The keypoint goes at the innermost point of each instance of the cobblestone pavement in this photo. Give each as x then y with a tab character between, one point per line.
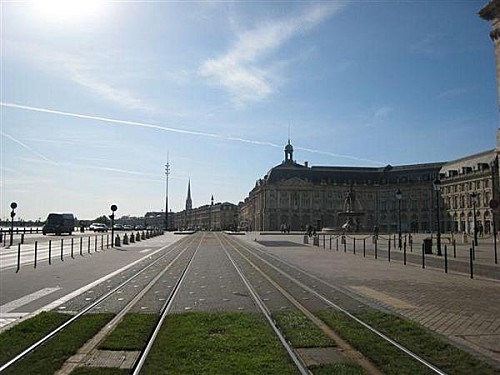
465	310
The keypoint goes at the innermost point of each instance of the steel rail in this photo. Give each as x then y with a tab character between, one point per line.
347	349
267	314
339	308
50	335
164	312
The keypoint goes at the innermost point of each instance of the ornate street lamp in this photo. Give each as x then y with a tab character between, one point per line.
399	197
473	197
437	188
112	217
13	205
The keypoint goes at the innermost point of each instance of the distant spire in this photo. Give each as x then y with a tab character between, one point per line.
189	202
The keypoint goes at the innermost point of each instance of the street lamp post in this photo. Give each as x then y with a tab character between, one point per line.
473	198
399	197
210	214
437	188
13	205
112	217
167	172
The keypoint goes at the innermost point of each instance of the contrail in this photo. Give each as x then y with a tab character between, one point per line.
174	130
27	147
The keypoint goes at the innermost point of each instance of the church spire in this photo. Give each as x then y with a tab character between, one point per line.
189	202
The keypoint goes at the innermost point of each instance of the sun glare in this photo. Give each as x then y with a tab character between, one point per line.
68	10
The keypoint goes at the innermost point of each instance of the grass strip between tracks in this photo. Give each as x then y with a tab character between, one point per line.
217	343
411	335
132	333
300	331
16	339
51	356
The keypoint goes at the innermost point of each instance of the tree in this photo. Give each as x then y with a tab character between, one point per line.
103	219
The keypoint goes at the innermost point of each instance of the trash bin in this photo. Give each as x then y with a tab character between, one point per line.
428	245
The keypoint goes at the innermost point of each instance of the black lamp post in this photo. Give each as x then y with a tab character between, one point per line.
437	188
473	197
112	217
399	197
210	213
167	172
13	205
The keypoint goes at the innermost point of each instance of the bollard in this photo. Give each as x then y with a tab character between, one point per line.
324	243
473	251
411	245
125	239
394	240
102	242
316	241
471	264
107	241
376	249
454	249
404	253
389	252
132	238
62	247
1	236
81	243
88	245
72	256
50	251
345	244
117	241
22	238
423	256
95	244
330	242
18	257
364	247
445	259
306	239
36	254
137	237
354	246
143	235
389	246
337	241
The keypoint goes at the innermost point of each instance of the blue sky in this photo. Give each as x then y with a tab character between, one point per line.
95	94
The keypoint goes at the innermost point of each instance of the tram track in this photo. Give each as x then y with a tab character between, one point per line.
179	247
273	267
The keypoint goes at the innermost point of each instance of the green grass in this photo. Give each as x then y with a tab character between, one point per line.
131	334
52	355
18	338
345	368
300	331
99	371
222	343
411	335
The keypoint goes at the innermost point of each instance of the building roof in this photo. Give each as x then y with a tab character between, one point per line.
469	163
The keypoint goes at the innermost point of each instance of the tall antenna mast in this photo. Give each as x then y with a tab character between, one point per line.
167	173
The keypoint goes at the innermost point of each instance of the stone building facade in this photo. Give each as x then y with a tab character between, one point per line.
296	195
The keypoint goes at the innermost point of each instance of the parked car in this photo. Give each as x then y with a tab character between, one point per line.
128	227
140	227
98	227
118	227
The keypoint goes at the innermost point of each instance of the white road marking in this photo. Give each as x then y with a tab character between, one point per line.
145	250
26	299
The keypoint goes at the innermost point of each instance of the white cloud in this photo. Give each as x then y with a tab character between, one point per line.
241	71
95	72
